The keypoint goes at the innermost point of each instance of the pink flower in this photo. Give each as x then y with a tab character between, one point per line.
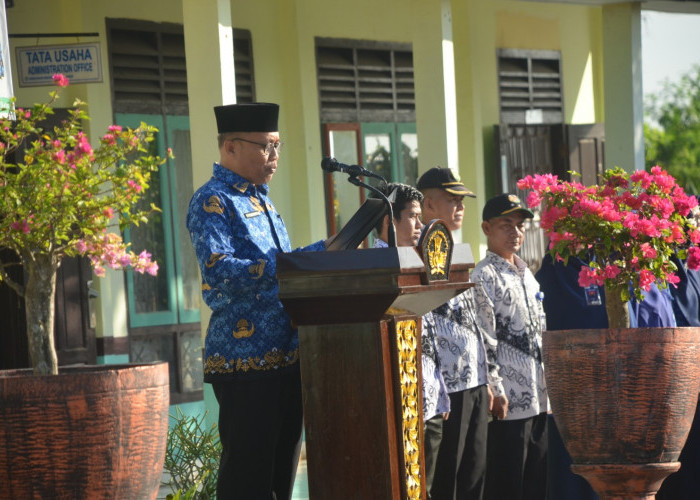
114	128
648	252
695	236
525	183
22	225
673	279
60	80
588	276
83	146
693	258
60	156
108	212
80	246
646	278
533	199
684	204
550	216
152	268
612	271
642	178
135	186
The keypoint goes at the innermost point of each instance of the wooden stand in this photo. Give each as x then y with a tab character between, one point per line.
358	313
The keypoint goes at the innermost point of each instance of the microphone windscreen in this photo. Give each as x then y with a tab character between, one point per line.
328	164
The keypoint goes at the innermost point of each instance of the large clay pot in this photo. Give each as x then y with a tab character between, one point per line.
87	433
623	401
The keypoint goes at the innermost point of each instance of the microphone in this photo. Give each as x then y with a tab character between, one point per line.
332	165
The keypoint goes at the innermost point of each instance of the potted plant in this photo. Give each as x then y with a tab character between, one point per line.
60	200
623	398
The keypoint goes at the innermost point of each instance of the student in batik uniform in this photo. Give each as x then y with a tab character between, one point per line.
507	301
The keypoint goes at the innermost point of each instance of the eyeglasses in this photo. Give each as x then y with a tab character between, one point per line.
267	147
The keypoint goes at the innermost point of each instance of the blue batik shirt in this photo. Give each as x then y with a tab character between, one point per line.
237	233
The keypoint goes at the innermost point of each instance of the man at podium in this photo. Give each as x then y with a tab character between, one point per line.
251	349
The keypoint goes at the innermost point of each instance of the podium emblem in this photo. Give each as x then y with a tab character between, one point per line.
436	249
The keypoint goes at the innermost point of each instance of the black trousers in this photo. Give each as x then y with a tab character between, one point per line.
517	459
260	425
432	436
461	464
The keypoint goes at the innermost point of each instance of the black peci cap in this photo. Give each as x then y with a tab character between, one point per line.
504	204
443	178
248	117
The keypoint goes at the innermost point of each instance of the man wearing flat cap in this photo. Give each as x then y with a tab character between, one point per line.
251	353
509	305
452	335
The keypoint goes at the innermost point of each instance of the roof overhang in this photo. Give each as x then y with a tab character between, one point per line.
679	6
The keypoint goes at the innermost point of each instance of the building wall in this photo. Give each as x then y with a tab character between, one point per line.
480	28
84	16
283	34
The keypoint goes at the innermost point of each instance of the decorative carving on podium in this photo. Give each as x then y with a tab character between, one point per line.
407	344
436	248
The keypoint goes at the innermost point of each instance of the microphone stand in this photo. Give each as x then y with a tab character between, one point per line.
392	230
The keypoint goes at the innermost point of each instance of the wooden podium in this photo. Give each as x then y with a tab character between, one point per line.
358	314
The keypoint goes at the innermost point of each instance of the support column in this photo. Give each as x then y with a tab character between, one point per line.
211	78
436	101
211	82
622	72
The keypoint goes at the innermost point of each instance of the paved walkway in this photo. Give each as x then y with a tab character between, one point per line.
301	485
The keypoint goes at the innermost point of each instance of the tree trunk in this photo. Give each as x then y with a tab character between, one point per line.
618	312
39	300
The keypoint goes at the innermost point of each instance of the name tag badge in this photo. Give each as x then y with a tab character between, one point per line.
593	296
250	215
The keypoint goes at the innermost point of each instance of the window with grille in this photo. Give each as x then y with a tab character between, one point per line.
361	81
148	70
530	86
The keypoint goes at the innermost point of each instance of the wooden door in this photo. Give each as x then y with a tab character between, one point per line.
525	150
543	149
586	151
74	333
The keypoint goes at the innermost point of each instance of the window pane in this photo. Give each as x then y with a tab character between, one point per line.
378	154
191	356
155	348
183	179
151	292
346	196
409	157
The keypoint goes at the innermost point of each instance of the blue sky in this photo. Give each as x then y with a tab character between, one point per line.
670	45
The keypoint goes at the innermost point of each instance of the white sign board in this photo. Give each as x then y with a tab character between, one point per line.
80	62
6	90
533	116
